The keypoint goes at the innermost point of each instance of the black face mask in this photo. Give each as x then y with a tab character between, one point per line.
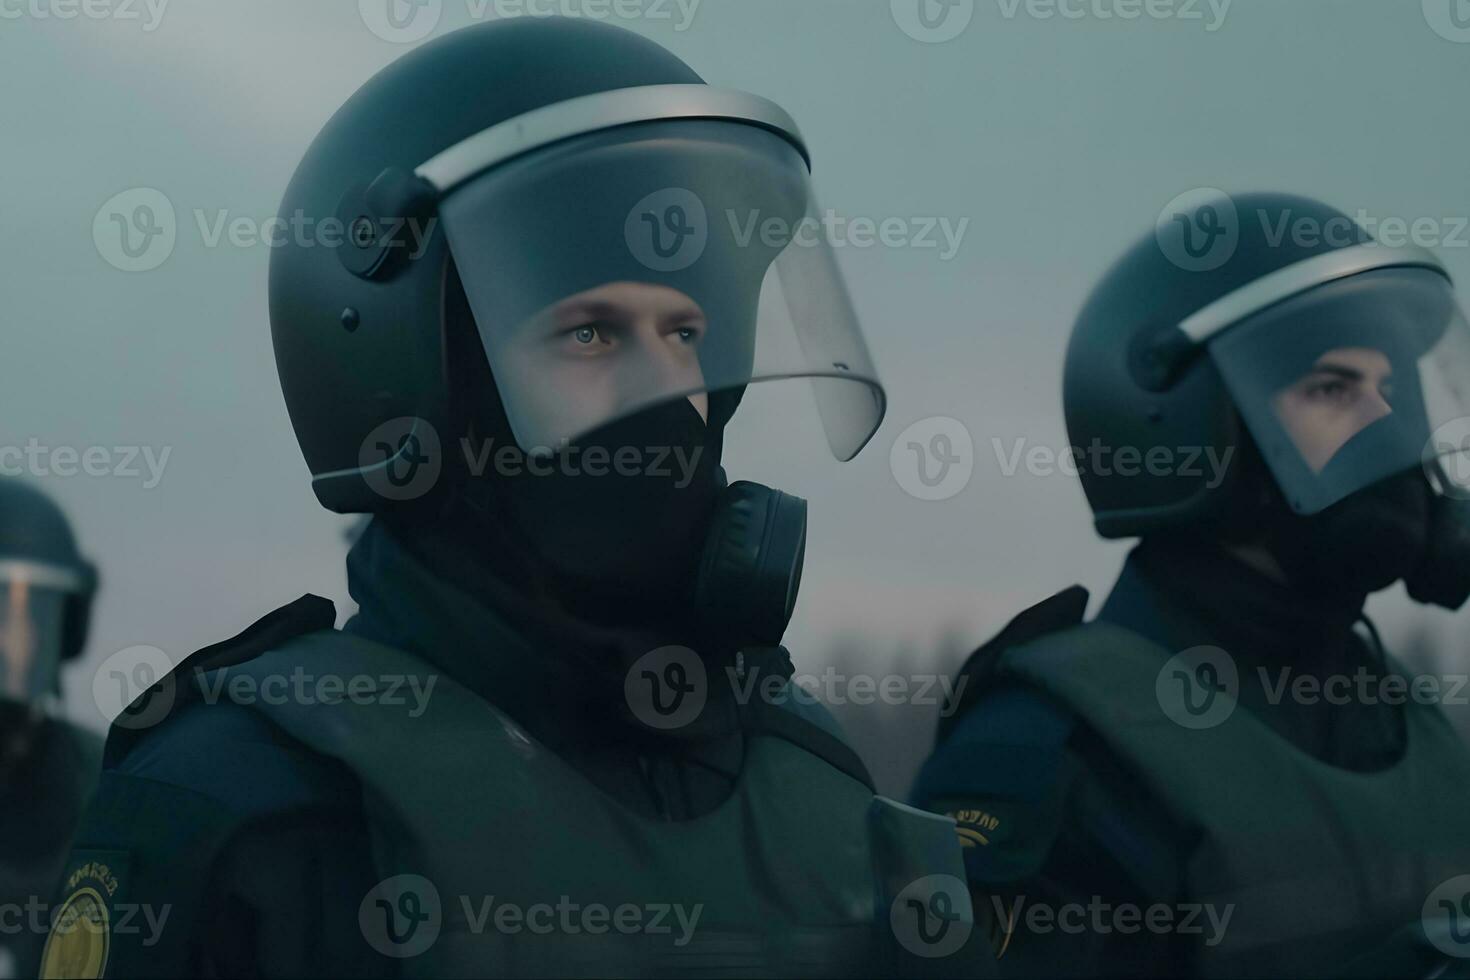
604	536
20	728
1358	546
620	519
669	543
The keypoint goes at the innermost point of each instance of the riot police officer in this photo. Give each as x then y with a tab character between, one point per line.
1215	777
47	766
535	749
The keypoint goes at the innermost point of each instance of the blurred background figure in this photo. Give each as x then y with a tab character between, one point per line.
47	766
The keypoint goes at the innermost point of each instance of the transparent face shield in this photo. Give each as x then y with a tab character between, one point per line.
1353	382
32	618
633	267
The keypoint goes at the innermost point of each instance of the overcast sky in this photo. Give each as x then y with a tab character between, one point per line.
1046	135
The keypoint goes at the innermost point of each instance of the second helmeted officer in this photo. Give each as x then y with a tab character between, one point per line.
1159	791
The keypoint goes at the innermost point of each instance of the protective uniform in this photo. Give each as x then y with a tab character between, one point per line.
1161	760
535	747
47	766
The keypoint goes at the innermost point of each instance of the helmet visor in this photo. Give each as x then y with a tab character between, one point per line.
629	268
1353	382
31	621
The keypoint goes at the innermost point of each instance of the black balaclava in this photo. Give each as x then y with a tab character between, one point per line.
20	727
1358	546
616	544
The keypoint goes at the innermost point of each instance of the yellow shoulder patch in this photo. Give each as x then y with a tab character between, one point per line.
81	929
974	826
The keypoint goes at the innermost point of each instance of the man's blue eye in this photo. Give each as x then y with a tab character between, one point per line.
585	335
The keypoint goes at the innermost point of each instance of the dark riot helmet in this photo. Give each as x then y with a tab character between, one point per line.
513	180
46	590
1242	356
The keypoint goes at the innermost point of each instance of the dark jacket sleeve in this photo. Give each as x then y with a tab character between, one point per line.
215	846
1057	837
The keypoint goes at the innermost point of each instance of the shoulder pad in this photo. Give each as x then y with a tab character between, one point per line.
1062	611
309	614
814	731
238	758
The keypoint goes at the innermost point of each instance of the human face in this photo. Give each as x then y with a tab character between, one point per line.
17	641
590	356
30	637
1347	390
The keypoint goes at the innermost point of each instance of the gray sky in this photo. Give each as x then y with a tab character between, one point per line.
1058	138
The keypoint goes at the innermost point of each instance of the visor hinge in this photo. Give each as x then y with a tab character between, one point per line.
386	221
1157	359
